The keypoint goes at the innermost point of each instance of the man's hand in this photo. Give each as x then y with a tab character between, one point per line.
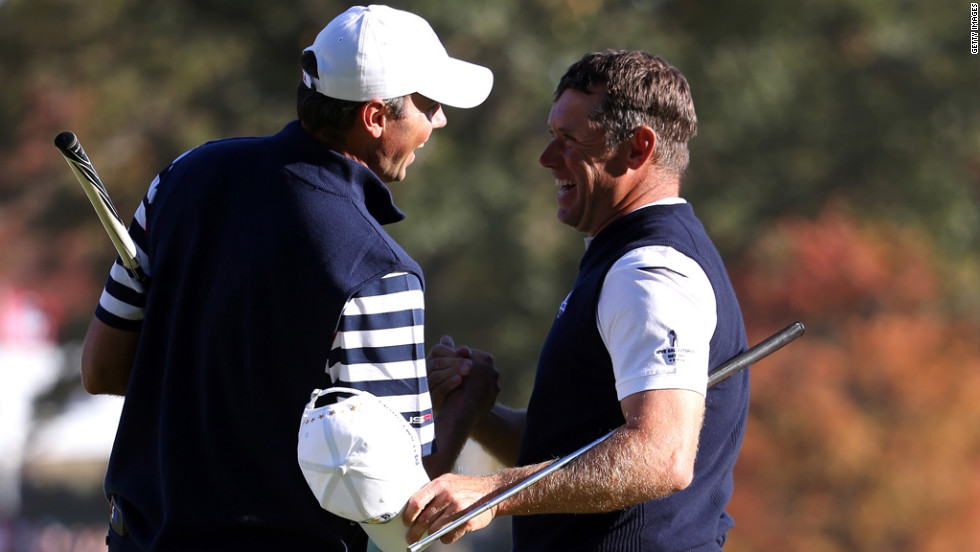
482	384
463	386
470	371
443	500
446	370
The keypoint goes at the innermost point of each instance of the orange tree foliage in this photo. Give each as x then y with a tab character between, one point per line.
865	433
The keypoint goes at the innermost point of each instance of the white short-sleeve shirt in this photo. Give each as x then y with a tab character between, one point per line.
656	316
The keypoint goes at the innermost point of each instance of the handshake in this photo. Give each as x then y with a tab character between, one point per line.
462	374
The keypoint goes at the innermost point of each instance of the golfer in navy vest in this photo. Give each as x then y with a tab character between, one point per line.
271	275
651	312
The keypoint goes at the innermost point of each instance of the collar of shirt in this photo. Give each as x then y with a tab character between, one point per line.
664	201
321	166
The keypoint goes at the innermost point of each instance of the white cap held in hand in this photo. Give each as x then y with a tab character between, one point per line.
362	461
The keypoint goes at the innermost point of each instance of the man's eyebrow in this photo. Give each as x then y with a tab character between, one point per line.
563	130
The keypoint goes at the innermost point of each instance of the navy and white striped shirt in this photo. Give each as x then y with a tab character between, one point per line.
380	348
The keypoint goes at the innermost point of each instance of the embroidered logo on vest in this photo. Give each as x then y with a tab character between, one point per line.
561	309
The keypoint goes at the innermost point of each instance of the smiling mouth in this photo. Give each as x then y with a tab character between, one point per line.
565	188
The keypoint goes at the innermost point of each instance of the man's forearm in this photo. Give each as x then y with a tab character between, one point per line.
500	432
454	422
107	359
617	473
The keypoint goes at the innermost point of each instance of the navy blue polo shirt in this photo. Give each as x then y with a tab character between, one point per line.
574	402
254	245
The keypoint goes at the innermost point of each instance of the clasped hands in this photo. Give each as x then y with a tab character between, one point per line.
461	373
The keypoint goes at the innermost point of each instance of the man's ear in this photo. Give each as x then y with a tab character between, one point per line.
374	117
641	146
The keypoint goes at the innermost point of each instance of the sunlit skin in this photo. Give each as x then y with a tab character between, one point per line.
383	143
597	184
401	137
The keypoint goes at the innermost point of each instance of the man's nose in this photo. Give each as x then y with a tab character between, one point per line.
438	119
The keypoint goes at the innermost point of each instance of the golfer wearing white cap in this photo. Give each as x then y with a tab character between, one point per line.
270	275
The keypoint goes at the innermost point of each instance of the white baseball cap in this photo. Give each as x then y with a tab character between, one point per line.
376	52
362	460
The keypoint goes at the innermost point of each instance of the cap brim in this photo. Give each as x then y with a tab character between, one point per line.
458	83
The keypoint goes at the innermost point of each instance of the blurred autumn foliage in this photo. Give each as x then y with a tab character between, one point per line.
864	435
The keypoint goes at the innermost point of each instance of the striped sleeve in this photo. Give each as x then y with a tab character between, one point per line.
380	348
123	299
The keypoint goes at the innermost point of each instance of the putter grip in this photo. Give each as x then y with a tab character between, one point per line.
68	143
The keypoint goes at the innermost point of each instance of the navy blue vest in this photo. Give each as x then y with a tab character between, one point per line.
574	402
255	245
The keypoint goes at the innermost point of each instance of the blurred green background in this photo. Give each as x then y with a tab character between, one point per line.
837	166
